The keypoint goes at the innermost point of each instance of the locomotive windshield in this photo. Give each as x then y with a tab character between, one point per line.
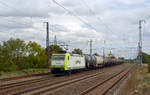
58	57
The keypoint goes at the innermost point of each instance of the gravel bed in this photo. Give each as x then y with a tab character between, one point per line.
78	87
54	80
75	88
21	73
100	90
20	80
51	81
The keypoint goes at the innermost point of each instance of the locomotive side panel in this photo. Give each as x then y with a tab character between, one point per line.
76	62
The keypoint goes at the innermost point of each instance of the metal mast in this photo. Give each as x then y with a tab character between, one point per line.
47	44
90	47
55	40
104	53
140	42
104	50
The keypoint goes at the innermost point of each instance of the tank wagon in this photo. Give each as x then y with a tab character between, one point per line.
65	62
93	61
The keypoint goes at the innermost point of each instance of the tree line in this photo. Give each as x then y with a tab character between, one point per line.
17	55
146	59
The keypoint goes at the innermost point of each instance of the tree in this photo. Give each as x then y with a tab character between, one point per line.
15	54
33	48
122	58
77	51
111	55
96	54
1	54
54	49
12	53
36	56
145	57
13	50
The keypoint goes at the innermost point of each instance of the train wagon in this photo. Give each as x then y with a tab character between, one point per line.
99	61
93	61
67	62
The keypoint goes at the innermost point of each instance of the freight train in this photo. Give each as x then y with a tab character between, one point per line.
66	62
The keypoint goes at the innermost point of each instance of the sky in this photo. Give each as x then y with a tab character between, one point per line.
115	21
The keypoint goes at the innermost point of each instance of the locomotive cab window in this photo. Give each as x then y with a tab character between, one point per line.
58	57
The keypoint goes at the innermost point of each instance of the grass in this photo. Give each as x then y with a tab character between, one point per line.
22	72
138	83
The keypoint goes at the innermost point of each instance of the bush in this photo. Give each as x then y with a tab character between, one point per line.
36	61
25	66
13	67
149	68
6	67
16	55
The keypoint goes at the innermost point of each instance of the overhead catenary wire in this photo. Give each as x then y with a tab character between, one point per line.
86	23
98	18
19	23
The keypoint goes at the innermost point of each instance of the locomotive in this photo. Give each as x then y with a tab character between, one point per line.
65	62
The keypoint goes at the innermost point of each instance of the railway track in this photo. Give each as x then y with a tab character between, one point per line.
104	87
22	77
50	85
18	86
53	85
52	90
14	84
62	84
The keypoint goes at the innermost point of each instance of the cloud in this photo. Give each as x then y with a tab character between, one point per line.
116	21
129	2
59	28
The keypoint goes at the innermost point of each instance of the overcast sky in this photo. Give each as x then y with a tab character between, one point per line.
115	21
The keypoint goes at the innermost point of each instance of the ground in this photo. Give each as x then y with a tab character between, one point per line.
138	83
22	73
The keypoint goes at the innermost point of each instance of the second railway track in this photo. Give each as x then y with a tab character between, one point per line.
30	84
14	84
53	85
61	88
103	88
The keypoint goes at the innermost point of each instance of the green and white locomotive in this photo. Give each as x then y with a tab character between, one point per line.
67	62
